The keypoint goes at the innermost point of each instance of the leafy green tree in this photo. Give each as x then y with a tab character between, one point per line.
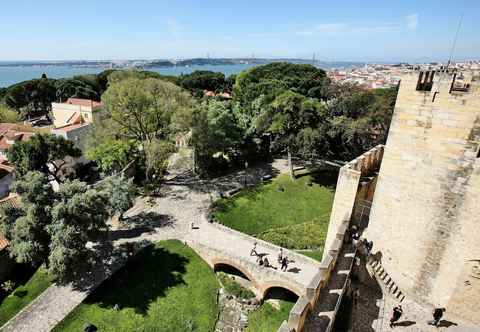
112	155
79	215
54	228
75	88
143	109
293	120
215	133
359	120
156	154
8	115
26	226
201	80
42	152
32	98
120	193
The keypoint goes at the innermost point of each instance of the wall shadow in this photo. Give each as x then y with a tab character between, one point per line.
228	269
325	178
280	293
145	277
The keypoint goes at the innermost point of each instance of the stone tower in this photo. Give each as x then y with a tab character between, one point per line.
425	216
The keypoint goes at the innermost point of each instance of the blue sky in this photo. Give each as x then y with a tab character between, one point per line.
363	30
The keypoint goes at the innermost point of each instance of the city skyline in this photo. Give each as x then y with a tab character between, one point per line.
369	31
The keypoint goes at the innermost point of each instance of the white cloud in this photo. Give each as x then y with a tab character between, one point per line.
412	22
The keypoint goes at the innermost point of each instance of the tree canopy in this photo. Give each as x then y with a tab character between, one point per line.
42	152
54	228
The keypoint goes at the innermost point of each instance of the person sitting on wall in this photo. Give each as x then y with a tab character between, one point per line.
266	263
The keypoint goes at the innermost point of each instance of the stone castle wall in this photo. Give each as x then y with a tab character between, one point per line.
425	215
347	187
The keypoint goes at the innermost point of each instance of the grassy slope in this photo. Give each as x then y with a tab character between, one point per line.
12	304
267	318
296	218
167	287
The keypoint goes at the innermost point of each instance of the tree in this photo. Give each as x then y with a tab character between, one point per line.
293	120
54	228
120	193
8	115
201	80
143	109
359	119
75	88
26	226
42	152
215	134
156	154
32	98
112	155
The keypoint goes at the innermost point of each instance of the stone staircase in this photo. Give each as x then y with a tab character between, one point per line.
388	283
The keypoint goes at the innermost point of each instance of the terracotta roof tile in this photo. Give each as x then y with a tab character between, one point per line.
83	102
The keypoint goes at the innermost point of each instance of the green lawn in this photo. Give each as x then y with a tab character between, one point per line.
24	294
316	254
166	287
267	318
296	217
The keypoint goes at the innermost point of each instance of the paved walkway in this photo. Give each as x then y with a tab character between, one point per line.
183	201
374	308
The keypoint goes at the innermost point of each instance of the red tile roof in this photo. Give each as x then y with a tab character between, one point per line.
11	135
83	102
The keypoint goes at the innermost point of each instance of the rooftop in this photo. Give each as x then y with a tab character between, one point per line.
83	102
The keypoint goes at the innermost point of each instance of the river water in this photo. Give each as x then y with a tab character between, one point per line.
13	74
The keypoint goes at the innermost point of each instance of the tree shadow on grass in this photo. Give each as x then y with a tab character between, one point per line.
144	278
324	178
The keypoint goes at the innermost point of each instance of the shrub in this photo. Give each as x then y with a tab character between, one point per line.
233	288
8	286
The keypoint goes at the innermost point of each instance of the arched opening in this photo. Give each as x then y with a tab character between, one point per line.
280	293
229	269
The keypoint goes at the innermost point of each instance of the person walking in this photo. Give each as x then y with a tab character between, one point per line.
284	264
396	314
437	316
280	255
253	252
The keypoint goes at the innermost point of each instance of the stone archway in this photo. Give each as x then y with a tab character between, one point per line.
217	263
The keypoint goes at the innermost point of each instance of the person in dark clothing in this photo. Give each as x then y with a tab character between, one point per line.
284	264
396	314
253	252
437	315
